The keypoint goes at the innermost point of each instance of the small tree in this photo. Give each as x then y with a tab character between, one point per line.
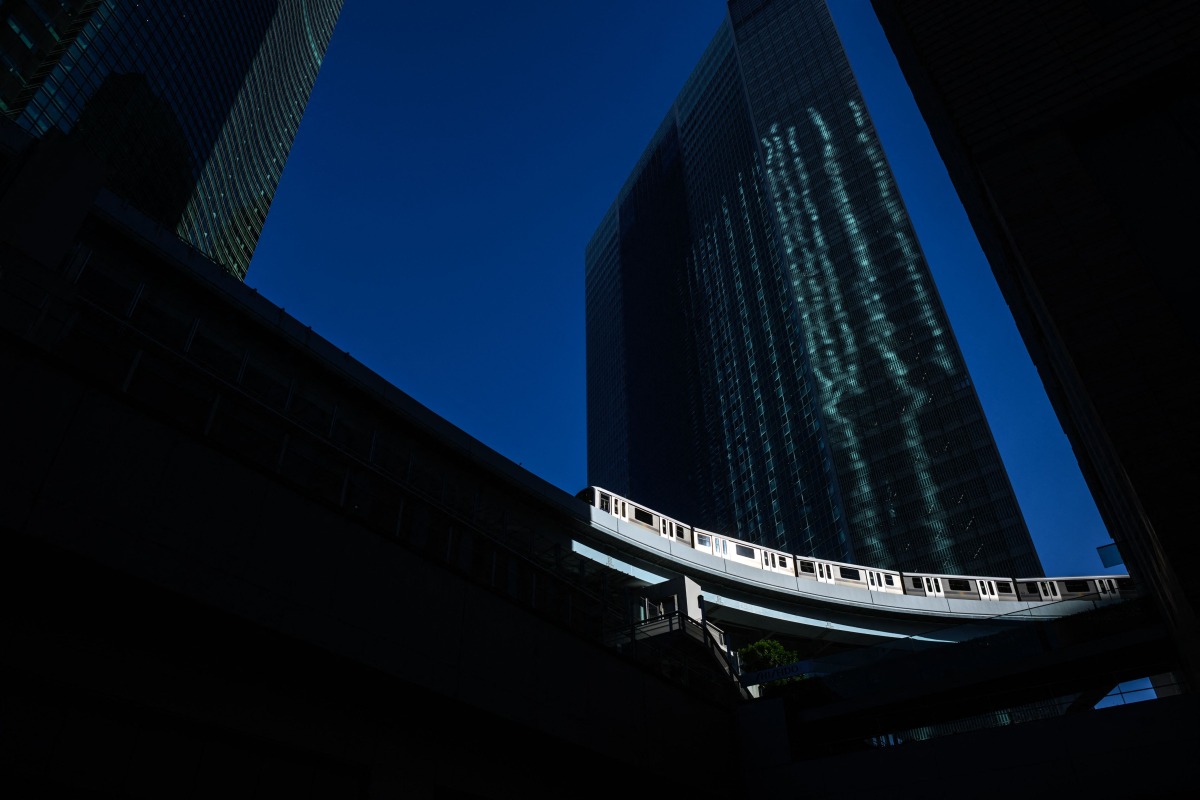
765	654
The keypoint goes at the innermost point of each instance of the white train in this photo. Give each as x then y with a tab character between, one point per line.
961	587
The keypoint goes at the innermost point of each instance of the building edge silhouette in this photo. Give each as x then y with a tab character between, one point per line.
1068	129
236	560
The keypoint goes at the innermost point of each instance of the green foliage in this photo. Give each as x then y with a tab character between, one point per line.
767	653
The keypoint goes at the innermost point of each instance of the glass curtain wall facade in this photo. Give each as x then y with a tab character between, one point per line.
192	104
767	355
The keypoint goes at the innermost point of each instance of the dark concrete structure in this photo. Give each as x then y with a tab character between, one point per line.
192	106
237	563
767	353
1069	130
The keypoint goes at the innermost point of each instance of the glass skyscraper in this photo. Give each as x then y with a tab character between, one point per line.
767	355
191	104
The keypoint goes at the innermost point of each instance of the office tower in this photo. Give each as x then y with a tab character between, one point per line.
767	354
1069	130
191	106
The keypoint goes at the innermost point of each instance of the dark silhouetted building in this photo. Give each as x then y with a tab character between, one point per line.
767	353
1070	132
192	106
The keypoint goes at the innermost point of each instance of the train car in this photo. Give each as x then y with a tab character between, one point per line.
631	512
840	574
959	587
1092	587
963	587
742	552
779	561
727	547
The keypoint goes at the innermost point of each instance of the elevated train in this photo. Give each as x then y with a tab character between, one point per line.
959	587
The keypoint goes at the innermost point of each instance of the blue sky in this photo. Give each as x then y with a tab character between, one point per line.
453	162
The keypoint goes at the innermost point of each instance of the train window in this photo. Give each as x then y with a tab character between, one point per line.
1031	588
702	540
604	505
783	562
745	552
642	516
1004	586
888	579
957	585
916	582
807	566
850	574
1076	586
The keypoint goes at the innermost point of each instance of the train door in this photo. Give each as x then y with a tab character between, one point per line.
720	547
824	572
934	588
618	509
987	590
1048	590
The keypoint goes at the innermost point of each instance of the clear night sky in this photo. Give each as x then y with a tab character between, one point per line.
453	162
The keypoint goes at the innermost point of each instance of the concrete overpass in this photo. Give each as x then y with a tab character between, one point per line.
743	597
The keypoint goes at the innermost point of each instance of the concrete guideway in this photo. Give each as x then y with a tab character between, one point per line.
755	598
